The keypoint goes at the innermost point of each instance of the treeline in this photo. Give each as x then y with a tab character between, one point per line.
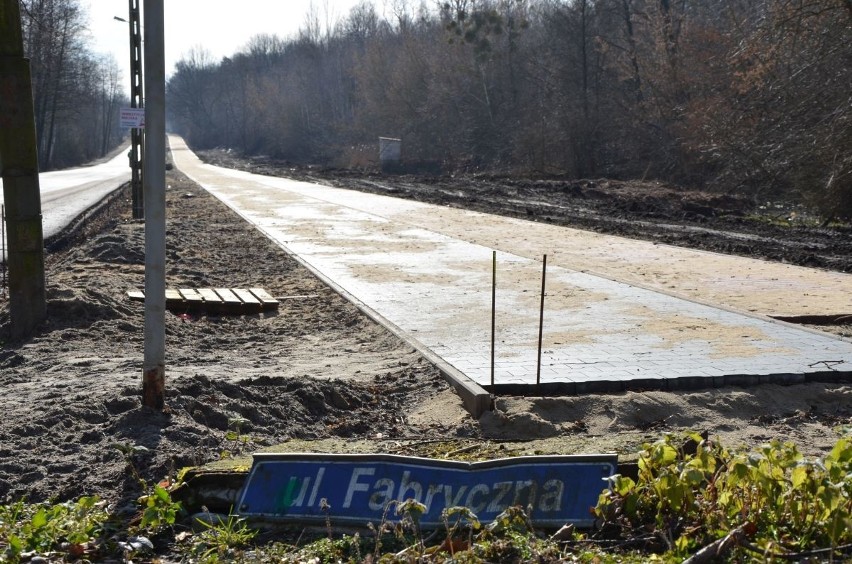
745	95
76	94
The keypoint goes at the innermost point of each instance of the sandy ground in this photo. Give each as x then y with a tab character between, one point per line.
316	369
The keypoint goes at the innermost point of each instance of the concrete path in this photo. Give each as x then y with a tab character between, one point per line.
651	316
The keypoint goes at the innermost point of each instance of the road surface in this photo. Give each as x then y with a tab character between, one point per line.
66	194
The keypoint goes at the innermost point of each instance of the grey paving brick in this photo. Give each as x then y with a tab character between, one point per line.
600	334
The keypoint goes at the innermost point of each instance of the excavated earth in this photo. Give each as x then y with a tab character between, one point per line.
318	370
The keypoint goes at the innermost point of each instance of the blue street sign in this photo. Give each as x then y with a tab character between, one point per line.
357	489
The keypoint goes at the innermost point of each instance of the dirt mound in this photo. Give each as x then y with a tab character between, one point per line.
81	307
125	247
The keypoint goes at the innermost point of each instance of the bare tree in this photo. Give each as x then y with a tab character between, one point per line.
732	94
110	101
75	93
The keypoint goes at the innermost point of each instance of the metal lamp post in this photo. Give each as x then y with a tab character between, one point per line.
154	367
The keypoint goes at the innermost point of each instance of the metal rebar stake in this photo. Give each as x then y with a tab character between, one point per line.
540	322
493	308
3	250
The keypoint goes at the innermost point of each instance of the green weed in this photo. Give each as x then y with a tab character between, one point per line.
222	539
787	503
76	528
160	510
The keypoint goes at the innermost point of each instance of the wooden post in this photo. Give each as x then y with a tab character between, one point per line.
19	168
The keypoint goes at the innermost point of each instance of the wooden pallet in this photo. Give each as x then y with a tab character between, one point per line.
233	301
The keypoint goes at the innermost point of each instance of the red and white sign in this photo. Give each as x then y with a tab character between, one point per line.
132	117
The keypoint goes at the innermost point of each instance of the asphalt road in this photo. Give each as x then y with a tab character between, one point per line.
66	194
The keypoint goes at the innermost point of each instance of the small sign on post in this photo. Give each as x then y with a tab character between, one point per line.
132	118
357	489
390	151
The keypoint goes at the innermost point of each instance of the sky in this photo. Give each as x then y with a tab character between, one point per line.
221	27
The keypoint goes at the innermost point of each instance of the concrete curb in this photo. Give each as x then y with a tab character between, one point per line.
475	398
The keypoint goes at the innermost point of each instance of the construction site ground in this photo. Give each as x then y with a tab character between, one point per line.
317	370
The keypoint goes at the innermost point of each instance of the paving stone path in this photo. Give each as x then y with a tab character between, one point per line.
649	316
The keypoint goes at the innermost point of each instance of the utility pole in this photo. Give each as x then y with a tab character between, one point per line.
19	168
136	101
154	179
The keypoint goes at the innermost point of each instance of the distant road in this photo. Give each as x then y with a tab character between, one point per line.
65	194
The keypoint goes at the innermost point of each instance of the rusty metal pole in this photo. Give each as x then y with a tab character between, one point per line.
541	322
19	168
154	183
493	309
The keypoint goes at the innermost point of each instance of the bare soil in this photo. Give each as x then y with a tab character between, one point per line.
317	370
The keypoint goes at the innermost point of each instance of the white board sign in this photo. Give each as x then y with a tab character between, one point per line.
132	117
